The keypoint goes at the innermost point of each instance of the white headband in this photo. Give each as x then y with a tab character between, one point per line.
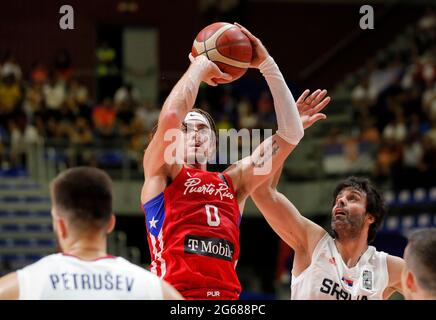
198	117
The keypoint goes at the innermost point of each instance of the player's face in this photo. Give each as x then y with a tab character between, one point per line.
349	212
197	139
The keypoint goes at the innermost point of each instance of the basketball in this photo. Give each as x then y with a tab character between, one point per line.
227	46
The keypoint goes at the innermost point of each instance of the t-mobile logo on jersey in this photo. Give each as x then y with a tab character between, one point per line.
210	247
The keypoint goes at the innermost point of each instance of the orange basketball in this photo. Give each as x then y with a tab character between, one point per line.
226	45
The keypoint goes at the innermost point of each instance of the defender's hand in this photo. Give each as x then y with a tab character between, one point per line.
310	106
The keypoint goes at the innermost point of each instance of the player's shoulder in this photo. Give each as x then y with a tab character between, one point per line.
44	263
129	266
394	262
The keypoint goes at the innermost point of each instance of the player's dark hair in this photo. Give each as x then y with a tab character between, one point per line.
421	257
375	205
84	196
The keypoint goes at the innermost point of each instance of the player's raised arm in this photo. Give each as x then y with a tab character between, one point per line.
283	217
272	152
298	232
175	108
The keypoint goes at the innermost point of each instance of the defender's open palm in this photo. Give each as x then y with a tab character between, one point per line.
309	106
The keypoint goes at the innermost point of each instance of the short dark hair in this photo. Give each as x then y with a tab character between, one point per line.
421	258
84	196
374	201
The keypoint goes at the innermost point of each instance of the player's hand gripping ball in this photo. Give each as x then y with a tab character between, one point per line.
225	45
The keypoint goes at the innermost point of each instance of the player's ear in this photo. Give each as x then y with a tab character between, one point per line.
371	218
410	282
61	226
111	224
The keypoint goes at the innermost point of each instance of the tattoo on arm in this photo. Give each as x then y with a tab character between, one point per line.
265	155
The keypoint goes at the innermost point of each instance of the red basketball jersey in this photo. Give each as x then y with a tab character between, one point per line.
193	235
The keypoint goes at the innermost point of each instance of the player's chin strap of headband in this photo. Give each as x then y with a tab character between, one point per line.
192	115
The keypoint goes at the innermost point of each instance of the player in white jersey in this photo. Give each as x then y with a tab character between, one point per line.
82	219
342	266
419	275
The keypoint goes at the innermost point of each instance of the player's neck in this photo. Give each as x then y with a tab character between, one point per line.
351	250
199	166
86	249
422	295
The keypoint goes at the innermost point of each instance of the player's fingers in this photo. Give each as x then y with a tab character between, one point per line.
225	76
321	105
211	82
319	97
246	32
303	96
310	98
315	118
191	57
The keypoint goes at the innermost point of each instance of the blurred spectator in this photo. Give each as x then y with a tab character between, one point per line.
138	141
10	97
429	101
369	131
428	21
9	66
431	134
63	65
228	107
125	117
22	134
396	130
148	114
34	101
363	97
38	73
413	153
428	164
54	93
247	118
78	92
81	137
104	119
265	111
127	94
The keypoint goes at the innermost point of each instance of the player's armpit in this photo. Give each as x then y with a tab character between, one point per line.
9	289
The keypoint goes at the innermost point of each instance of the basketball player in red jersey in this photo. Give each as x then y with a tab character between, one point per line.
193	215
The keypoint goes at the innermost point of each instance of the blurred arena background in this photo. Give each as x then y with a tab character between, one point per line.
91	95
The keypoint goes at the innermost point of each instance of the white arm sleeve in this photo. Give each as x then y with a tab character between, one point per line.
289	124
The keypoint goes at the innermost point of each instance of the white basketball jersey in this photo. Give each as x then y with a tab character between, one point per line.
329	278
65	277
